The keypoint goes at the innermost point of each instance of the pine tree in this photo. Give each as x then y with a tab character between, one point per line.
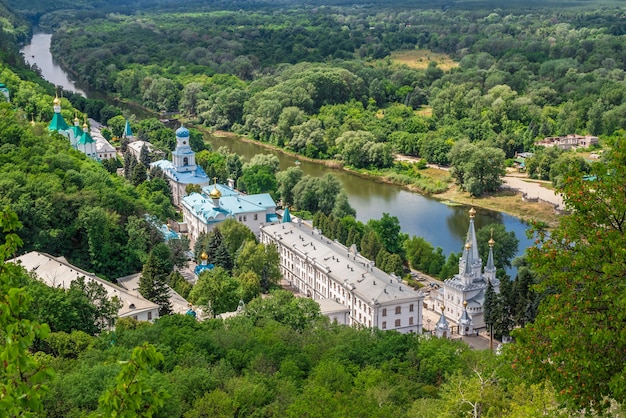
491	306
144	156
153	282
129	164
217	250
507	299
371	245
523	312
124	145
139	174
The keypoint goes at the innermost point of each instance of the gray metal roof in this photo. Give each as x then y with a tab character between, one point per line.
342	264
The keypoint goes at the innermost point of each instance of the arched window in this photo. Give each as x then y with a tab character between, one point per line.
185	161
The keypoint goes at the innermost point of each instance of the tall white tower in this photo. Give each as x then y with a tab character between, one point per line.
183	158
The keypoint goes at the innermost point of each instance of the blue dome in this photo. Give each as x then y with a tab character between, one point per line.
182	132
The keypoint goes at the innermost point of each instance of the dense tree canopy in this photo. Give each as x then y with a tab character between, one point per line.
299	79
576	340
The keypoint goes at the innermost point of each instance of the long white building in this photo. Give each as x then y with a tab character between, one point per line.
323	269
57	272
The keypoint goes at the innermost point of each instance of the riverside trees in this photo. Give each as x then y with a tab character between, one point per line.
270	84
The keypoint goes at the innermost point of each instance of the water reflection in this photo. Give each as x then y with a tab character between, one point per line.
38	52
442	225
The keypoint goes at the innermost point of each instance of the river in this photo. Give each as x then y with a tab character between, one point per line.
442	225
38	52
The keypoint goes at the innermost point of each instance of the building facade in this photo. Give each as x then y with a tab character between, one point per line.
323	269
57	272
93	146
568	142
218	202
463	295
135	148
182	170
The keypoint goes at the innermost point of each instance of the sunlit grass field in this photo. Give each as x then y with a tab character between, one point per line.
419	59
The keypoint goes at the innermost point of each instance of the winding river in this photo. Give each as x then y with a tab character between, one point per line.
442	225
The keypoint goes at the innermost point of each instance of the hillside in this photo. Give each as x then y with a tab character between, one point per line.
281	357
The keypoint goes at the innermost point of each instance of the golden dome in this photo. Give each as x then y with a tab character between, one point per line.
85	126
215	194
56	101
443	308
465	304
76	120
491	242
468	245
204	256
472	212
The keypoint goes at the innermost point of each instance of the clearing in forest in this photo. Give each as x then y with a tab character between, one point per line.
419	58
425	111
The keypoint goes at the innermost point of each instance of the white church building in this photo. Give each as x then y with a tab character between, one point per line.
182	170
218	202
463	295
81	139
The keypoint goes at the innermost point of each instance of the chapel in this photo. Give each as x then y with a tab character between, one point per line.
463	295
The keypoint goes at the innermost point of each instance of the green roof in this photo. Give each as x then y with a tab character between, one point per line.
77	131
85	138
127	131
286	215
58	123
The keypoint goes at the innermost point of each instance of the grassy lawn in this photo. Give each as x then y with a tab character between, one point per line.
425	111
419	59
507	202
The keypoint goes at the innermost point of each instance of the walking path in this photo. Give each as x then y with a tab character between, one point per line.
534	190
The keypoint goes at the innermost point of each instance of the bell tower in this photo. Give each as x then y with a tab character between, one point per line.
183	157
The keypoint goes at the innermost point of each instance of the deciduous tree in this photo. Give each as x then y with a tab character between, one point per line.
577	339
505	247
23	378
477	168
216	291
261	259
132	395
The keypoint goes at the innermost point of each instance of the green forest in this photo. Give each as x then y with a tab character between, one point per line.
322	79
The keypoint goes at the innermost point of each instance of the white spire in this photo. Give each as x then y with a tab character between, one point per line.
490	268
466	326
471	236
470	264
442	329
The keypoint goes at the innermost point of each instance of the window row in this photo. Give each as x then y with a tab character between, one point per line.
399	310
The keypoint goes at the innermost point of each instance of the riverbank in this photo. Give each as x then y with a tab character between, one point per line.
505	201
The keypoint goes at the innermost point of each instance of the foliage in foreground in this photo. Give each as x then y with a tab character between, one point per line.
23	377
577	340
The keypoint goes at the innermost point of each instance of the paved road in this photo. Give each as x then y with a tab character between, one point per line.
534	190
